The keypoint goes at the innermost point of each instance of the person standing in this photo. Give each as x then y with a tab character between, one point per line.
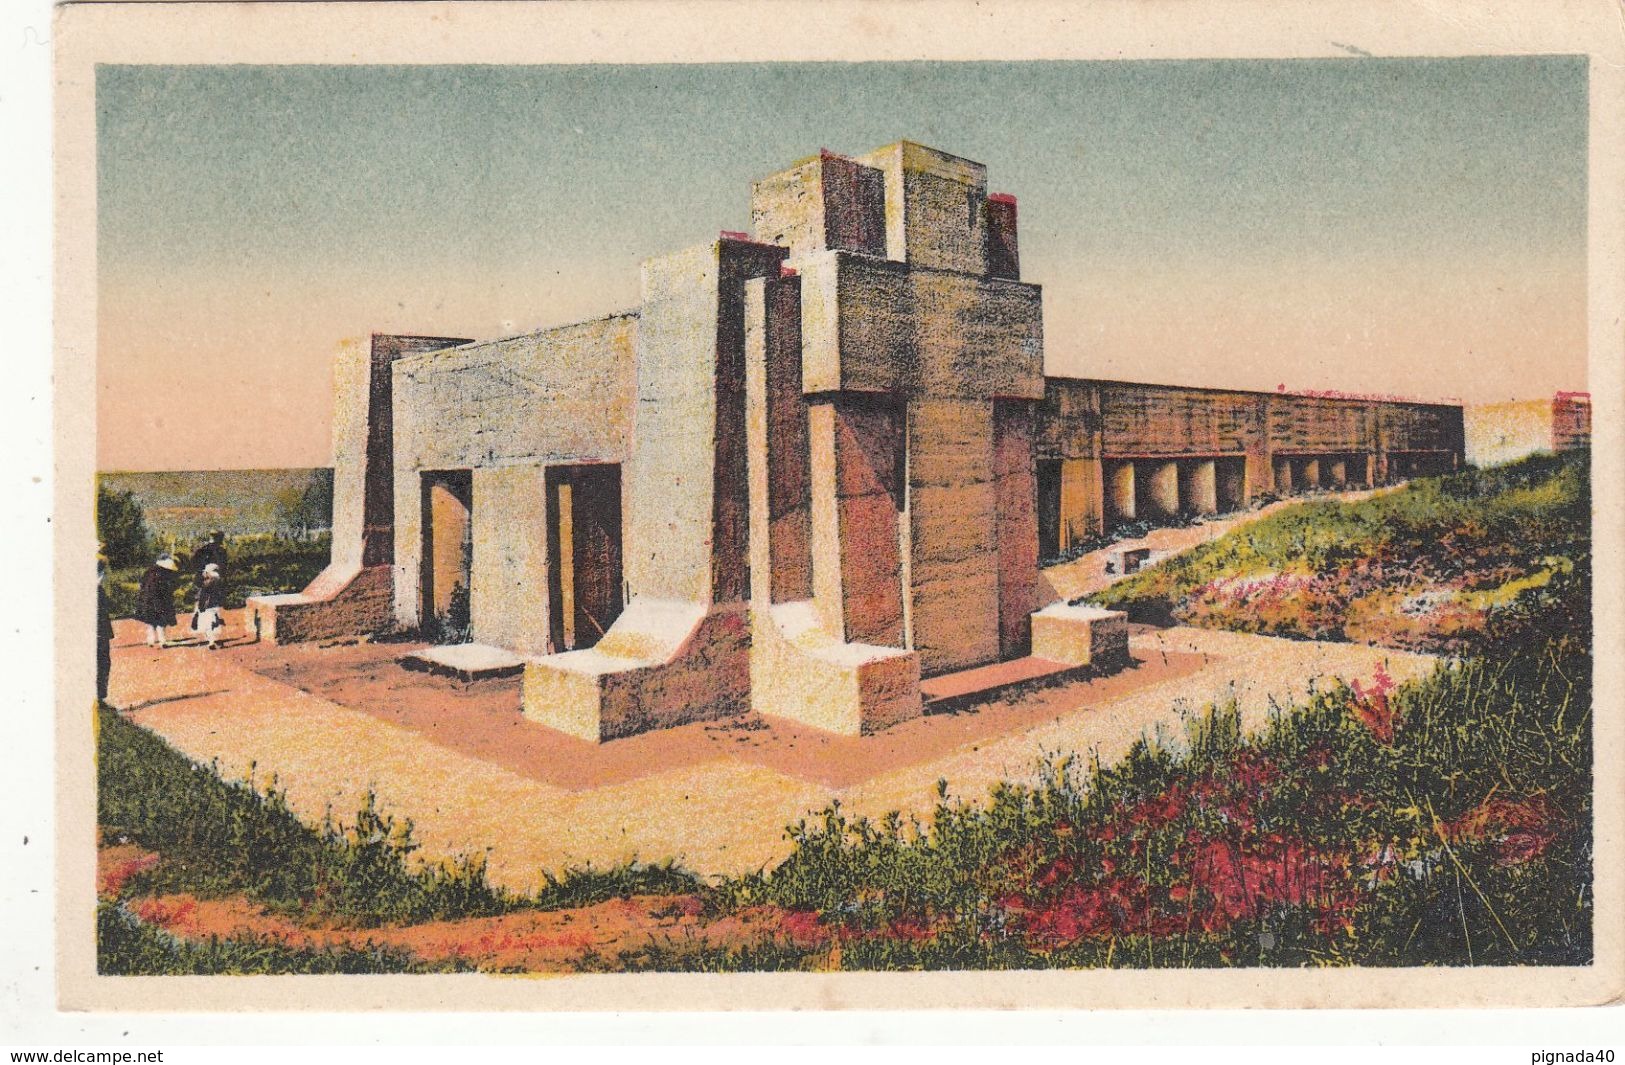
104	633
155	601
211	601
212	553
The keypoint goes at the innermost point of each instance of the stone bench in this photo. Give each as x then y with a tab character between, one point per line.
342	601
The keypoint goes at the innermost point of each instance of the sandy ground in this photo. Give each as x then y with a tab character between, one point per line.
329	723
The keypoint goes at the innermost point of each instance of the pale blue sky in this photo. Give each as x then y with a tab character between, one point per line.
288	202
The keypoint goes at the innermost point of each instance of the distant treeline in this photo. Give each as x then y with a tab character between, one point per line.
181	506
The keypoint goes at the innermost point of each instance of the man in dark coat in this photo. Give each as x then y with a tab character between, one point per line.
212	553
104	633
155	602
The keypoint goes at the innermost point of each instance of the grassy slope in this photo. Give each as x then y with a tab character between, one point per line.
1438	565
221	838
1447	823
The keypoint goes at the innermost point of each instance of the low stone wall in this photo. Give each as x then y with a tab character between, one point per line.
662	664
803	674
342	601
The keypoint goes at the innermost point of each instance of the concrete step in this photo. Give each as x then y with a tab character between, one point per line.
949	693
465	661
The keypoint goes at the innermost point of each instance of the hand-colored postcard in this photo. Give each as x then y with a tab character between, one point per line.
884	505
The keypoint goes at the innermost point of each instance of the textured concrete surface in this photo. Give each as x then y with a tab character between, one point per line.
1159	449
1080	635
465	661
343	600
836	439
554	397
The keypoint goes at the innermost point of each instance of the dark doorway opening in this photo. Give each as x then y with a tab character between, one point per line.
585	591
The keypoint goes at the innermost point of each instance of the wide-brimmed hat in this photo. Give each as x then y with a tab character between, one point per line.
211	570
167	562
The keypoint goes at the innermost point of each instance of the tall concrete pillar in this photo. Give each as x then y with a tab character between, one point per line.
1082	502
1232	483
1199	486
857	494
801	666
1161	489
378	470
1120	492
953	557
1283	476
509	606
1338	471
1015	524
777	417
1311	473
680	650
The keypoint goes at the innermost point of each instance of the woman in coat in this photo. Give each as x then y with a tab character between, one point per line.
155	602
211	600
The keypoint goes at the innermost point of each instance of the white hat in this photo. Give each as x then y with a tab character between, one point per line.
211	570
167	562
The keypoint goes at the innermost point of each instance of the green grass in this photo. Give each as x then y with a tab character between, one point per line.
259	565
586	886
1442	564
219	838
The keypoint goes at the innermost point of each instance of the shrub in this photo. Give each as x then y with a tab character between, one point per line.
121	525
1447	822
219	838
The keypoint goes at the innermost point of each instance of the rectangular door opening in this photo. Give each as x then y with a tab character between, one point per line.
585	591
448	555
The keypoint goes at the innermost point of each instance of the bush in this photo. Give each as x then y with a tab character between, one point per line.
121	525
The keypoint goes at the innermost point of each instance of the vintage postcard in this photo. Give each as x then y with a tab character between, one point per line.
897	505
